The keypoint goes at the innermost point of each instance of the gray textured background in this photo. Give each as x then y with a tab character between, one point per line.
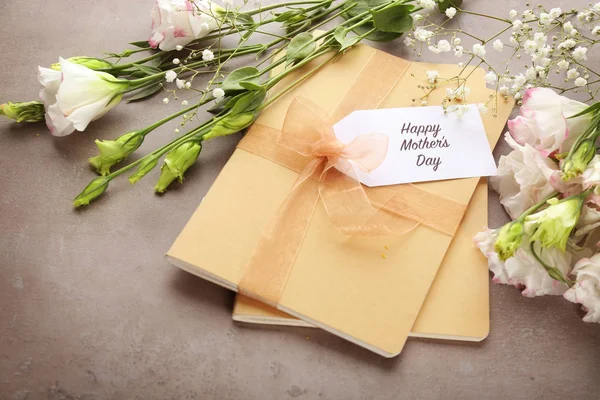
90	310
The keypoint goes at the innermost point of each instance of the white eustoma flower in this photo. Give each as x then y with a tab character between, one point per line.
479	50
591	175
422	34
81	96
170	76
207	55
580	54
544	121
55	120
523	178
580	82
491	78
498	45
218	93
586	290
523	270
432	76
450	12
178	22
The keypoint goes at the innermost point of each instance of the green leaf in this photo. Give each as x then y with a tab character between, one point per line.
231	124
593	108
147	69
251	86
244	19
235	77
300	47
377	36
142	44
396	18
362	6
145	92
341	36
445	4
248	101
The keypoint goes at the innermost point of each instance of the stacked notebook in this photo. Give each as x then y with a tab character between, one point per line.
373	291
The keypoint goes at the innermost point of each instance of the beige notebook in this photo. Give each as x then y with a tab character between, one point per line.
366	290
457	305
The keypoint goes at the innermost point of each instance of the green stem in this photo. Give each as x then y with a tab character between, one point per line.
173	116
287	4
120	67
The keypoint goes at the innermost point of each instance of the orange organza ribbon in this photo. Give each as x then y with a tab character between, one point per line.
328	177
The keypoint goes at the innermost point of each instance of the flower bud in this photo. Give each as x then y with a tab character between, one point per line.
554	224
28	111
150	161
115	151
176	163
509	240
231	124
91	192
90	62
577	161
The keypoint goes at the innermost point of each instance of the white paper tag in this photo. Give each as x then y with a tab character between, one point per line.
424	144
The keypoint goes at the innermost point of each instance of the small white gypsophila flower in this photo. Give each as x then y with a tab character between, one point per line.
458	51
555	13
517	24
514	41
179	47
567	44
503	90
176	61
441	47
426	4
528	14
580	82
479	50
180	84
568	27
520	80
530	46
596	30
482	108
422	34
218	93
563	64
207	55
450	12
540	38
596	7
408	41
498	45
572	73
176	131
545	19
424	102
461	64
580	54
456	41
491	78
513	14
460	110
531	74
184	103
188	85
432	76
170	76
166	100
417	17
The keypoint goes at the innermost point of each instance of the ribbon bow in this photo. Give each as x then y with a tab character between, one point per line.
307	130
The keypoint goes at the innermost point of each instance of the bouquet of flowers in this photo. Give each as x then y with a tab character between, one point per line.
549	185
